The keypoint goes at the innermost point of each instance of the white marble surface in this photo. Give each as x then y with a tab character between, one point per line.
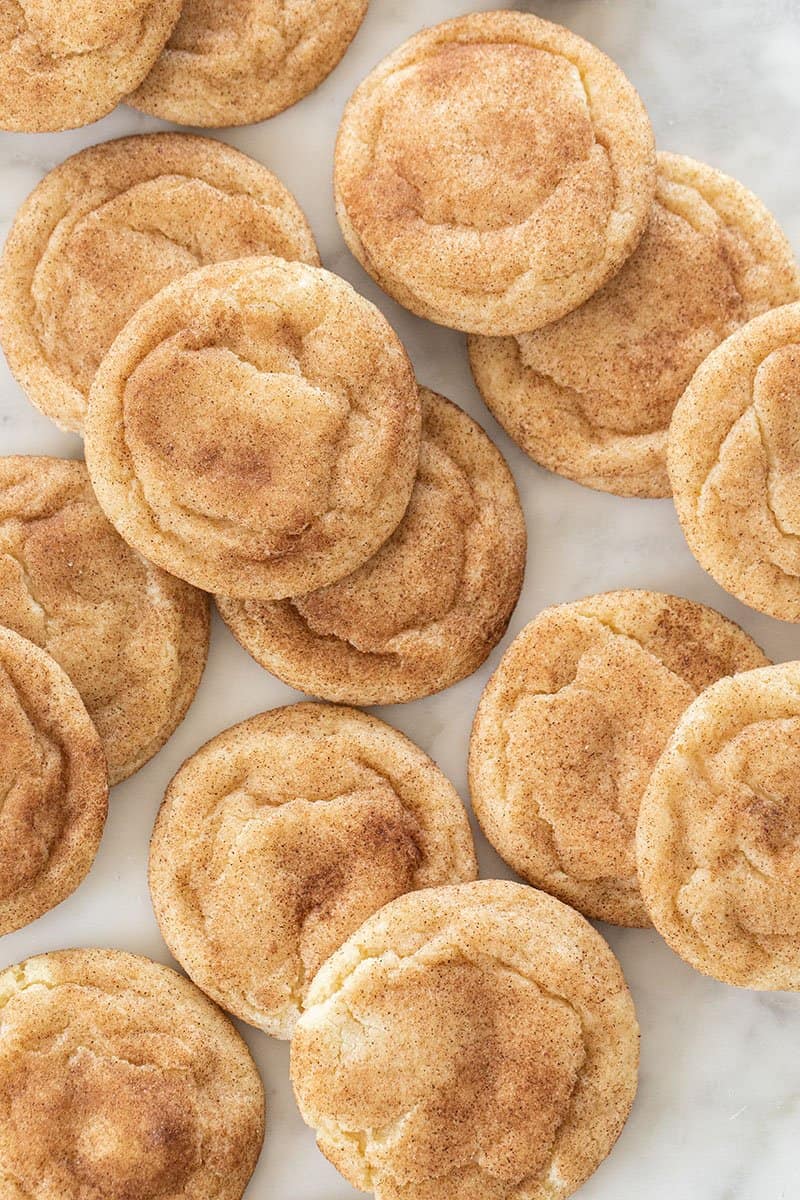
719	1104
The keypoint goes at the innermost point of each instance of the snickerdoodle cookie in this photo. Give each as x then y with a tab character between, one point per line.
719	832
132	638
118	1078
281	835
591	396
255	429
734	463
425	610
493	172
468	1043
570	726
245	60
53	785
110	227
63	65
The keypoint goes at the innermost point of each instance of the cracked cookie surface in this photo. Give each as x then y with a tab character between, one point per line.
493	172
734	463
119	1078
570	726
428	608
242	61
475	1042
64	65
132	638
53	785
718	839
281	835
255	429
111	226
591	396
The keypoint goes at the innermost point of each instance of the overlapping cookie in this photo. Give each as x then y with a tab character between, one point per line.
281	835
572	723
53	784
63	65
591	396
734	463
493	172
132	638
110	227
255	429
429	606
469	1041
246	60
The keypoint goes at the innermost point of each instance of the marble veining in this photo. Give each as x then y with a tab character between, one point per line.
719	1104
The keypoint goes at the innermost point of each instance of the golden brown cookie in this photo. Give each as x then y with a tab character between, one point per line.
255	429
132	638
718	838
468	1043
119	1079
246	60
734	463
493	172
570	726
110	227
281	835
591	396
428	608
63	65
53	786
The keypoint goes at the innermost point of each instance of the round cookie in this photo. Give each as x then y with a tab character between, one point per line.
493	172
734	457
132	638
119	1078
570	726
64	65
246	60
281	835
591	396
429	607
468	1042
255	429
718	838
53	785
111	226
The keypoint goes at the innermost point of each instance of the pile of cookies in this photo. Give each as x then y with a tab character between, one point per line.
254	431
195	62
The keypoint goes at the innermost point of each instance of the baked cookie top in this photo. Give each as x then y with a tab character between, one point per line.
493	172
63	65
719	832
246	60
132	638
430	605
470	1041
734	463
119	1078
570	726
53	785
591	396
111	226
281	835
255	429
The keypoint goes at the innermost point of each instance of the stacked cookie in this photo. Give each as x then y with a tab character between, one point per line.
189	61
255	428
497	174
636	755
